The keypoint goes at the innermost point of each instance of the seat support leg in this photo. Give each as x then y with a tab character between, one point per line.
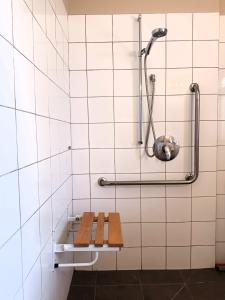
76	265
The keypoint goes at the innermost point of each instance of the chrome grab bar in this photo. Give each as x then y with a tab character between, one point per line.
189	178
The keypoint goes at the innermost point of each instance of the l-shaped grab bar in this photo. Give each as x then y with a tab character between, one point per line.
189	178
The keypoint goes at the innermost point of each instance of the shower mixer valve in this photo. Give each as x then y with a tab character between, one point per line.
165	148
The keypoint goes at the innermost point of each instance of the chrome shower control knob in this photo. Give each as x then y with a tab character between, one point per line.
166	148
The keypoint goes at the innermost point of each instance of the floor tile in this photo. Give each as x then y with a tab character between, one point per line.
208	291
121	292
84	278
81	293
202	275
183	294
160	277
118	277
160	292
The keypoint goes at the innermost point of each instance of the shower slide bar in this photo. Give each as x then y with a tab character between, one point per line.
189	178
140	139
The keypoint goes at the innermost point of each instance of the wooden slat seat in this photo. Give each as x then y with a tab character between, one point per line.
115	233
84	234
99	238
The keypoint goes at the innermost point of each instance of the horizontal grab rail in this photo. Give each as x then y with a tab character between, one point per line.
189	178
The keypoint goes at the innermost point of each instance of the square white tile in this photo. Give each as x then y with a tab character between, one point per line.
79	110
28	187
178	209
181	32
202	257
125	28
203	208
207	78
153	234
178	81
205	185
43	137
30	236
206	26
220	228
23	28
126	109
203	233
99	28
6	73
178	258
96	87
125	55
126	83
201	50
80	136
129	259
208	156
100	110
10	206
78	84
76	25
126	135
220	206
11	269
123	157
6	19
99	56
154	258
179	54
8	150
178	234
101	135
131	234
77	56
128	215
222	26
80	160
153	210
102	160
44	180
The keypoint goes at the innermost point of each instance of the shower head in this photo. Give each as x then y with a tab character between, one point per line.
156	33
159	32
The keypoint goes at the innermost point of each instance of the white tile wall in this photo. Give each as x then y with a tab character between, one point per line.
34	101
173	225
220	230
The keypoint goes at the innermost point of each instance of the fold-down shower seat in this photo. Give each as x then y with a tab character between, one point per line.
90	236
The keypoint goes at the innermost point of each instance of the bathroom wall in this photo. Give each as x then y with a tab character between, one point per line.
220	234
76	7
35	163
164	227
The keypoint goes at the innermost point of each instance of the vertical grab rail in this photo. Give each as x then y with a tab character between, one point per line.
189	178
140	140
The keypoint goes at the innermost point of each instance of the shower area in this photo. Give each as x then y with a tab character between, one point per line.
108	109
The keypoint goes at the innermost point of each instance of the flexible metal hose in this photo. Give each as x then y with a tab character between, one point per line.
150	107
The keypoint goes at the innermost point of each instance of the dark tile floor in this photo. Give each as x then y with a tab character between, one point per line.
207	284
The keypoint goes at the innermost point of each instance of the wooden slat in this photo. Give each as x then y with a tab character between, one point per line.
99	238
114	231
83	237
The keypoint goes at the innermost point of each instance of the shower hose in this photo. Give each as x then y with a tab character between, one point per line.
150	107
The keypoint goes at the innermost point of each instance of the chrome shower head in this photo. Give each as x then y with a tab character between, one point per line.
156	33
159	32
